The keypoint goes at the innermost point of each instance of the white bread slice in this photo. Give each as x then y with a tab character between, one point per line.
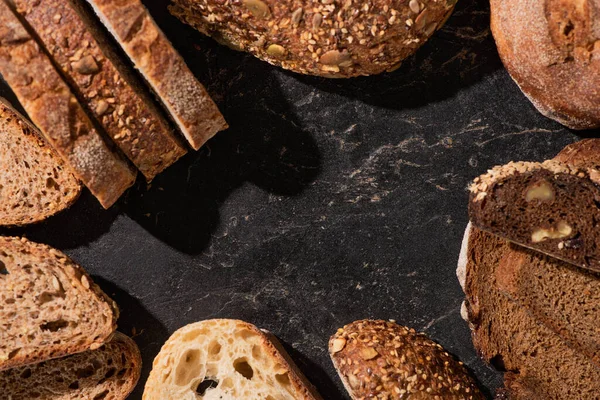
35	183
49	306
108	373
163	68
227	360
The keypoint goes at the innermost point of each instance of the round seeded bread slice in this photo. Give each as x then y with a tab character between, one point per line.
34	181
49	306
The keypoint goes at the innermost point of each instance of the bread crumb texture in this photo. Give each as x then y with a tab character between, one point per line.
49	306
223	359
383	360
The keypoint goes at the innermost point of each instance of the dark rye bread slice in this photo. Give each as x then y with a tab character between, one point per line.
109	373
55	110
184	97
49	306
552	207
35	183
104	83
508	336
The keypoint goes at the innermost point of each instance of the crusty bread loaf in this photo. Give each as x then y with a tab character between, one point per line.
336	39
506	334
165	70
551	206
104	84
228	360
53	108
551	48
49	306
35	183
383	360
109	373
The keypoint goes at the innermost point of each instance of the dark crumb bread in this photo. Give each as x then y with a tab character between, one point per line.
336	39
508	336
109	373
552	207
49	306
54	109
383	360
104	83
34	181
551	48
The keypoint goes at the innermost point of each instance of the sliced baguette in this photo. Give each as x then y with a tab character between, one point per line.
109	373
35	183
383	360
53	108
228	360
49	306
103	82
164	69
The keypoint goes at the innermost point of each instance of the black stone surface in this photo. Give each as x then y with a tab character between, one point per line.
327	201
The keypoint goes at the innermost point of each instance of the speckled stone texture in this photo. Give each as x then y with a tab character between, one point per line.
325	202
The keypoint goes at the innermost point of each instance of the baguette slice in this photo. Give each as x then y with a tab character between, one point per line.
227	360
109	373
53	108
164	69
552	207
383	360
34	181
49	306
103	82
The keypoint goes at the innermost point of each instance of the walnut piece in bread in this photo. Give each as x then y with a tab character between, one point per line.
336	39
380	359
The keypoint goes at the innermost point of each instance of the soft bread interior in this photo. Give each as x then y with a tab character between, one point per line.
220	359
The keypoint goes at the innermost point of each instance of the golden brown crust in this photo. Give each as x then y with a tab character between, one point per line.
338	39
551	48
380	359
130	118
58	114
165	70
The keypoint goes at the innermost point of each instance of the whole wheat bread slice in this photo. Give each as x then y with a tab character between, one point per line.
49	306
228	360
55	110
163	68
103	82
110	372
35	183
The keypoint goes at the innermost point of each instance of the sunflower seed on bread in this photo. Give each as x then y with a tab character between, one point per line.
225	359
35	183
110	372
50	307
380	359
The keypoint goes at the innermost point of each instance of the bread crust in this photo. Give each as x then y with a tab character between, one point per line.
154	56
55	110
46	157
336	39
551	48
128	116
380	359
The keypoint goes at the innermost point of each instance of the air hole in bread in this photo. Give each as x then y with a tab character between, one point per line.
85	372
3	270
498	362
10	301
256	352
214	348
227	383
269	397
121	373
206	384
74	385
101	395
13	353
188	367
243	368
283	379
54	326
26	373
246	334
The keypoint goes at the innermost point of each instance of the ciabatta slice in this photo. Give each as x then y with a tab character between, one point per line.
34	181
49	306
108	373
227	360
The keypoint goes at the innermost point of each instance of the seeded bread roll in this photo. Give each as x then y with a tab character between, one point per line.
35	183
331	38
383	360
551	48
49	306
